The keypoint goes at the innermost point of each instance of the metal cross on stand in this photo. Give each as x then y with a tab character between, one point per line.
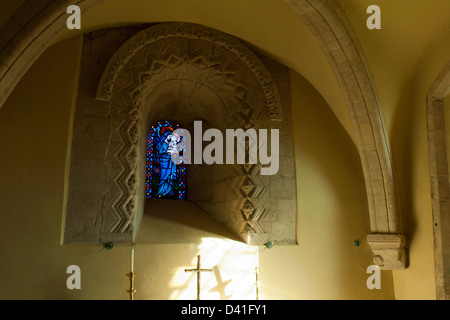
198	270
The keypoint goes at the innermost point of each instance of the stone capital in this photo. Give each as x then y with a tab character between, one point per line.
389	250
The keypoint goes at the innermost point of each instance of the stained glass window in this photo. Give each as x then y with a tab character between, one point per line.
165	179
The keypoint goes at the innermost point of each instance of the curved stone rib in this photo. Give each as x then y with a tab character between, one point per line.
327	21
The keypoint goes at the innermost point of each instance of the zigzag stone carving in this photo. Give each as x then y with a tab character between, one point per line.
191	31
173	53
123	203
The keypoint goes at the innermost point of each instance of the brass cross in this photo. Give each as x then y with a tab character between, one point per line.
198	270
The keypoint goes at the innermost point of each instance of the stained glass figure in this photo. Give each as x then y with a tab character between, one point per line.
165	179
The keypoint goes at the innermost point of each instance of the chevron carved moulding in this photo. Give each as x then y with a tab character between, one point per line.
133	77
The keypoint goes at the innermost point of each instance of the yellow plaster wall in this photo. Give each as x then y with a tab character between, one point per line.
405	57
332	213
33	143
418	282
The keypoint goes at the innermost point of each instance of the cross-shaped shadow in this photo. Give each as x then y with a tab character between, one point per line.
220	288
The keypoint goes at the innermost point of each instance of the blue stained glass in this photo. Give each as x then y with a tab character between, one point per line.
165	179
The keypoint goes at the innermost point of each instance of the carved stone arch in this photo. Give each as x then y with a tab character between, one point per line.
328	22
181	51
174	56
439	179
190	31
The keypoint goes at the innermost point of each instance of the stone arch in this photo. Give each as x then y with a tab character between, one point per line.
35	25
328	22
225	85
439	179
219	62
28	33
192	31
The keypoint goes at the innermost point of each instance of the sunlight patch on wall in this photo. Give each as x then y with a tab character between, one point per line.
232	275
